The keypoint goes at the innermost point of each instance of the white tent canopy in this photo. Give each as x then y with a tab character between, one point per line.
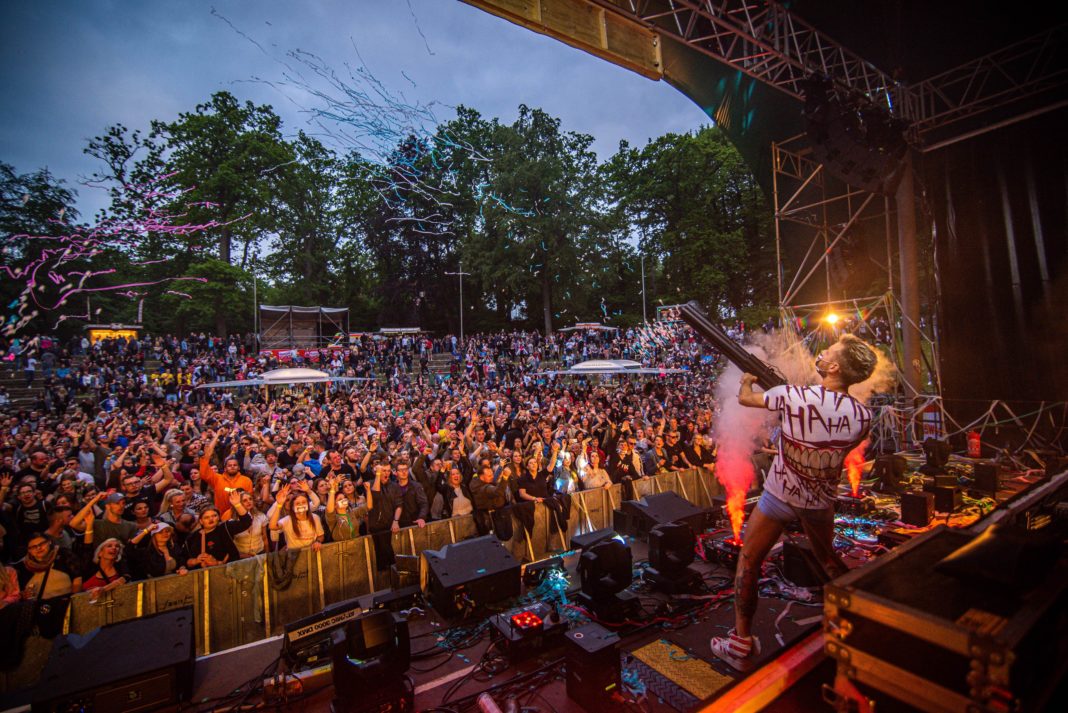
598	365
612	366
294	376
283	377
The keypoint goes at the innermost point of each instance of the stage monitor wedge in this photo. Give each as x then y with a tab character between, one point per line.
641	516
466	575
129	667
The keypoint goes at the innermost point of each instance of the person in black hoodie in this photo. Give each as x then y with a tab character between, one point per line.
492	503
214	543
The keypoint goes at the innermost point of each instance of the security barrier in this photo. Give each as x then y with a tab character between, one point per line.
253	599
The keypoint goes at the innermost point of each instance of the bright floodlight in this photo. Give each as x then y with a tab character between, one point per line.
831	318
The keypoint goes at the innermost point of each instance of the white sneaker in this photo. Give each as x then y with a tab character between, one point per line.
737	651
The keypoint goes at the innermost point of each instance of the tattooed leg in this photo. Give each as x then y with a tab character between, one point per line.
760	536
820	533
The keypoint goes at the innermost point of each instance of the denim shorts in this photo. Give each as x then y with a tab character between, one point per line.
784	513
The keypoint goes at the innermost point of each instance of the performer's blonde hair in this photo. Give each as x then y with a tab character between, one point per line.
858	359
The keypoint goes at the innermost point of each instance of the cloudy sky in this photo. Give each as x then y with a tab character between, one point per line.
70	68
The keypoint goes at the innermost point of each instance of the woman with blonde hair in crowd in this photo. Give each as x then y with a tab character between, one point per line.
110	571
254	540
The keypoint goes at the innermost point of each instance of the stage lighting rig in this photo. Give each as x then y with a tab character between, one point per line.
671	552
936	453
856	138
605	572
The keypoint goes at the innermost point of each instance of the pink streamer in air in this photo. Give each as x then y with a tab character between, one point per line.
54	260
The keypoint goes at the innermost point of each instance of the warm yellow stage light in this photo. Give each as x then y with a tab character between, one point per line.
831	318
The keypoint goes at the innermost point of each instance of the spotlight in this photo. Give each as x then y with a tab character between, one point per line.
936	453
671	551
831	318
888	471
605	572
535	572
371	656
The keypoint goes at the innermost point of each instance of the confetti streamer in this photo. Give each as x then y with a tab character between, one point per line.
53	256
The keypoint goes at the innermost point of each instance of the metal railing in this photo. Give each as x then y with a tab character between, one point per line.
253	599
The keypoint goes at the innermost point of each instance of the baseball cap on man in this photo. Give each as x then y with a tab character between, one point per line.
114	498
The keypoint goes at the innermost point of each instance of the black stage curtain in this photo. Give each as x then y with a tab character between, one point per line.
999	203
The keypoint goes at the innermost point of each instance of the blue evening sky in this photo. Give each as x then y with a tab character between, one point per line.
70	68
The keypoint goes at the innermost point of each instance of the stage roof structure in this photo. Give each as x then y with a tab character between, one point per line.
298	327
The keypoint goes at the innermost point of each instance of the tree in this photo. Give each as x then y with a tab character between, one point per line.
226	290
546	193
31	205
305	223
226	153
695	207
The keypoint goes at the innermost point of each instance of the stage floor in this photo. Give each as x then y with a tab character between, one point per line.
443	679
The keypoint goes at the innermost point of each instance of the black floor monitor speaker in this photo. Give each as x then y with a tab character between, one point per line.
583	542
917	509
129	667
800	565
661	509
986	478
465	575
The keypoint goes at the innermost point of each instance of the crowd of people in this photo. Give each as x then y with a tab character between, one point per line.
117	474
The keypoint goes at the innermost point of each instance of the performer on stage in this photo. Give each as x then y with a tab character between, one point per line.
820	425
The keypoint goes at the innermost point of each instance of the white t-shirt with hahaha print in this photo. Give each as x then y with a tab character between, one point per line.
819	427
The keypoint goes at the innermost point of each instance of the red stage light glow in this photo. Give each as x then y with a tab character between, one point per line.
526	620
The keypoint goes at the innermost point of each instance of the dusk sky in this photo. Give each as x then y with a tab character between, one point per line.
70	69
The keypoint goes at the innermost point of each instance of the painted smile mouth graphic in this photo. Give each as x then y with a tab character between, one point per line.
817	466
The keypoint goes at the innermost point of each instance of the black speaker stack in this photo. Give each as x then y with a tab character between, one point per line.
133	666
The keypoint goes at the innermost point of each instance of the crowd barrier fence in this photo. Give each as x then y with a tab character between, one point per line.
253	599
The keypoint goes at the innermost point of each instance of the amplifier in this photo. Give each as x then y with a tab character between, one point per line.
465	575
986	478
593	668
917	509
800	566
129	667
307	641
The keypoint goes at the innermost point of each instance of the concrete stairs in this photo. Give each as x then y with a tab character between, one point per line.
14	381
441	364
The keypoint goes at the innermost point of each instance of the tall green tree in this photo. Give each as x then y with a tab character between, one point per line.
546	193
695	207
31	204
305	223
226	153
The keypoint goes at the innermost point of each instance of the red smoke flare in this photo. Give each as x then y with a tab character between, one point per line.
854	465
734	470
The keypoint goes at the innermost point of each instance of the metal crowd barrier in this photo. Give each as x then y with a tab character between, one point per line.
253	599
